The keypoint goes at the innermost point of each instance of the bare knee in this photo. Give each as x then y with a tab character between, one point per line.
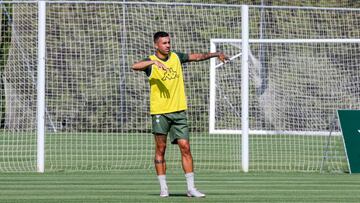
160	145
184	148
160	149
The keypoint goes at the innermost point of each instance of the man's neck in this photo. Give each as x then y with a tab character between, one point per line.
161	56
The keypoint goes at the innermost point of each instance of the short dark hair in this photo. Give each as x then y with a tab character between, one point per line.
160	34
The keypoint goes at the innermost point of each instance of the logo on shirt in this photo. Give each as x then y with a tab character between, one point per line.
170	74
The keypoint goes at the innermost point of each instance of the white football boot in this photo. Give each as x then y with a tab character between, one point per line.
195	193
164	193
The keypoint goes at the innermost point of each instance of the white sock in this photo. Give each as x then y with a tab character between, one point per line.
190	181
162	181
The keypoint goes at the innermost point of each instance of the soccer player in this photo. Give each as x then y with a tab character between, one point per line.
168	105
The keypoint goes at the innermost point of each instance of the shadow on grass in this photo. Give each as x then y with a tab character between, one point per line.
172	195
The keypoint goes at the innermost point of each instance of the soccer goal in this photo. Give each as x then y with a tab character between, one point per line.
70	101
292	87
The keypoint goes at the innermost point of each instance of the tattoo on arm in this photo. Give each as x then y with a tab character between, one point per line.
202	57
209	55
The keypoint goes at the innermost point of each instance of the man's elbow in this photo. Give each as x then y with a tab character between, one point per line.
134	67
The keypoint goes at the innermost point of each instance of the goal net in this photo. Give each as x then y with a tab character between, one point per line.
97	108
302	68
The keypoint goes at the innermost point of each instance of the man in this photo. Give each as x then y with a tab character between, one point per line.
168	105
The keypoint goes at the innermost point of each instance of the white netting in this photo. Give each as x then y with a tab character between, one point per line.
18	92
97	115
303	85
99	106
295	88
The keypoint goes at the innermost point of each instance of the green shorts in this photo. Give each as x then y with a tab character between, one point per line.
174	124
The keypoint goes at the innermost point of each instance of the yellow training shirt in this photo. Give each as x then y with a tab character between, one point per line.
167	89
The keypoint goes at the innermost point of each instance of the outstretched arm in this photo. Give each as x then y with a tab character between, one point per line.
142	65
201	57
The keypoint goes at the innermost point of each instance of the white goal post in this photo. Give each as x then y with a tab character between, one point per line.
41	87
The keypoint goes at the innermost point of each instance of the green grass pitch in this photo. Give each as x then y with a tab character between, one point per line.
142	186
114	152
65	179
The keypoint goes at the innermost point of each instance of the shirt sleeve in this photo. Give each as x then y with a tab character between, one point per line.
183	57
